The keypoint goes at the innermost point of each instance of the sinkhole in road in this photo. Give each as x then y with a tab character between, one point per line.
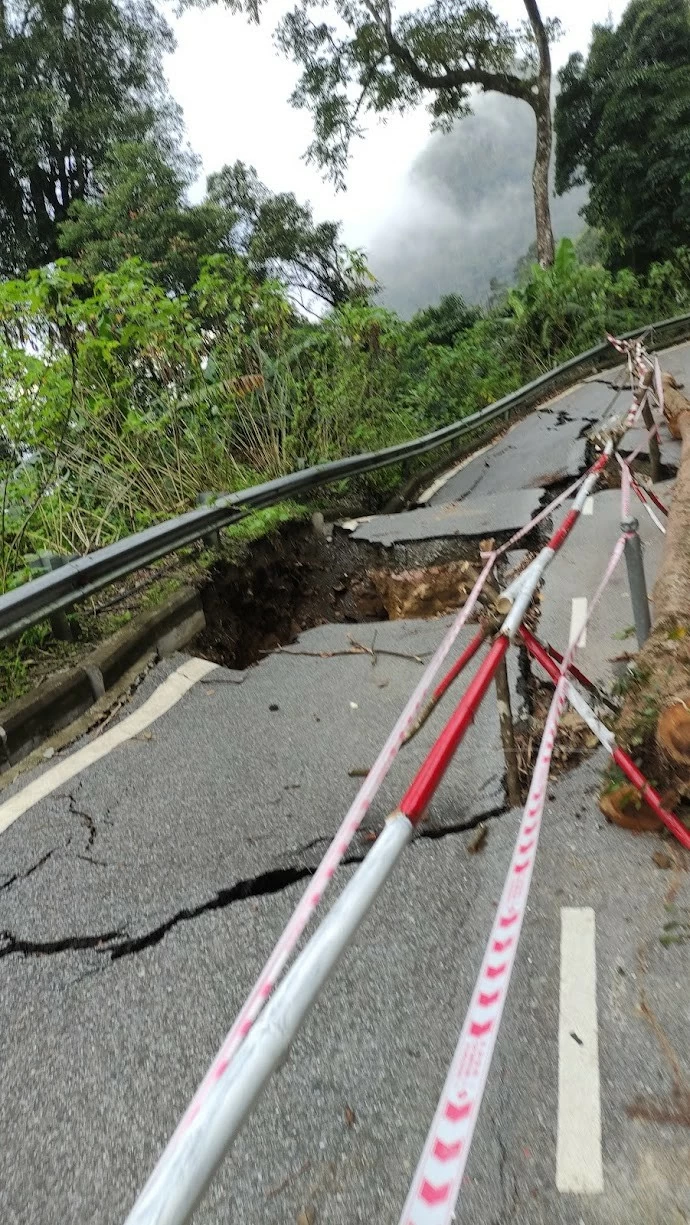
299	577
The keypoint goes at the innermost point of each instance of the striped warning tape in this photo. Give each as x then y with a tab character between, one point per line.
310	900
436	1183
642	493
325	872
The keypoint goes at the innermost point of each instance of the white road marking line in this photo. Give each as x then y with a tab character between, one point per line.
588	508
578	1151
578	616
166	695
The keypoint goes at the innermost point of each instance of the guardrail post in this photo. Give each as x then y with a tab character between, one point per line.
636	580
211	539
44	563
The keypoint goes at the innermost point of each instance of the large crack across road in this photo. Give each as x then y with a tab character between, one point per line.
118	943
609	383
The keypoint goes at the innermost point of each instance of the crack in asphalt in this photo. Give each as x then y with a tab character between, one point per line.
118	943
85	817
608	383
68	944
462	827
588	422
267	883
12	880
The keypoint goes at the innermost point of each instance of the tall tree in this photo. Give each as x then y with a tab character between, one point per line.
280	239
140	211
371	59
623	127
75	75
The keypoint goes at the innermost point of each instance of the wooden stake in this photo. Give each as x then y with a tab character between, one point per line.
508	735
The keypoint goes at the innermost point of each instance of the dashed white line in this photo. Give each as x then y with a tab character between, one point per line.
578	1152
578	617
165	696
588	508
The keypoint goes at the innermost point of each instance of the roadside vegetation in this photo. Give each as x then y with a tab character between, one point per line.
121	404
153	351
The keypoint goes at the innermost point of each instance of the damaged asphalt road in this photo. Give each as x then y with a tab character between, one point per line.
228	826
138	904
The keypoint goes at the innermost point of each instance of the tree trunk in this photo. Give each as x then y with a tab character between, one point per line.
540	102
540	183
654	724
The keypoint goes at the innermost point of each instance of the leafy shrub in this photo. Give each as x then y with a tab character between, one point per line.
120	403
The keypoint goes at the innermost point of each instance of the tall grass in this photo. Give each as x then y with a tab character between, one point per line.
119	406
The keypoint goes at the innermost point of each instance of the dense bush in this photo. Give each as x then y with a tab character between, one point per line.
120	403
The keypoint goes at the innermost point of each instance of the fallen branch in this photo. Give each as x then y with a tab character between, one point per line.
355	649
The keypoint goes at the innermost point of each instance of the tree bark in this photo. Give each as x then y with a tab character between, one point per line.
540	183
541	105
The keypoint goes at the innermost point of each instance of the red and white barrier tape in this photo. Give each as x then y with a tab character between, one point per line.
642	494
437	1180
543	514
436	1184
338	847
287	942
620	345
607	739
326	870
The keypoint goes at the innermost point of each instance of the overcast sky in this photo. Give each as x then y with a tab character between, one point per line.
234	86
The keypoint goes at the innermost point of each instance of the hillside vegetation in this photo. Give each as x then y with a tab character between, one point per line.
121	403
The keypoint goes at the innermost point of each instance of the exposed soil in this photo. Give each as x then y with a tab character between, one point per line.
574	742
611	476
296	579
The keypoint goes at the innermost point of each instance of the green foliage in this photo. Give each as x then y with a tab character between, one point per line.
623	127
121	402
140	212
140	400
261	522
565	309
76	76
442	324
280	239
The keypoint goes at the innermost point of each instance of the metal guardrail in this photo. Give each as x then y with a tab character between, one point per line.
42	597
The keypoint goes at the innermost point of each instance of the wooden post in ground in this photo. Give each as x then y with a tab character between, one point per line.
505	717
